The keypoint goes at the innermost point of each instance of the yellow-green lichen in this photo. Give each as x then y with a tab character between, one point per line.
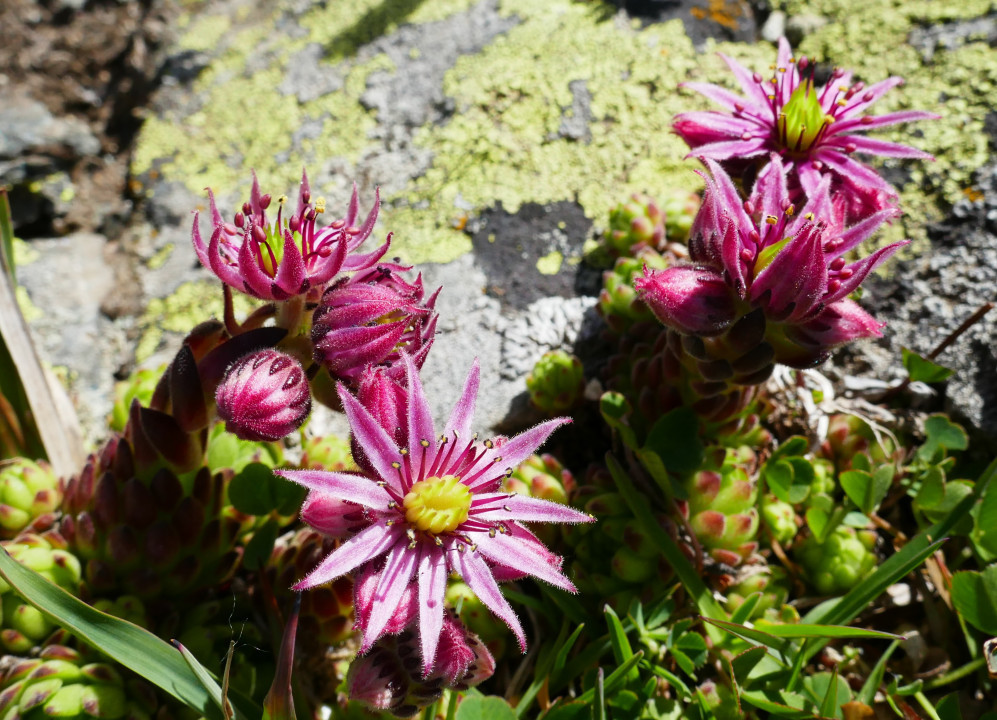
190	304
550	264
29	310
24	254
203	33
503	145
162	255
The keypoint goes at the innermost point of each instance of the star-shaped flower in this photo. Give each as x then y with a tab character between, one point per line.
291	256
434	506
815	130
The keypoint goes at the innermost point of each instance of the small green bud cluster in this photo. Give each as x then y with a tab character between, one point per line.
556	383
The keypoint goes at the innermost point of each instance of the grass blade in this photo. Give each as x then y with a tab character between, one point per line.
134	647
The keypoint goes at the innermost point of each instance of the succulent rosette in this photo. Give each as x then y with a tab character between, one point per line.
434	507
370	319
290	256
765	254
815	129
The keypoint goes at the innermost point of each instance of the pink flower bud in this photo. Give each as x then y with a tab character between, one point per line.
264	396
693	300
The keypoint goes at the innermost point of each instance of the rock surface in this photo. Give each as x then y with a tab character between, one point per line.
499	132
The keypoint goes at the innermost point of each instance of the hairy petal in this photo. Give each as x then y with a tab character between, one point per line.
359	549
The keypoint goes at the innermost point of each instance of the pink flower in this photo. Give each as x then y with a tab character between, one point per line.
370	319
434	506
767	254
264	396
814	130
290	256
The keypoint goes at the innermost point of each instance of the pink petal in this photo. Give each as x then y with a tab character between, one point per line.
462	414
291	272
360	262
303	188
795	280
870	95
256	280
432	580
861	269
421	433
857	233
874	146
479	578
353	208
358	489
869	122
717	94
745	78
227	273
715	125
379	447
728	149
520	554
514	451
391	586
693	300
856	172
513	507
359	549
332	516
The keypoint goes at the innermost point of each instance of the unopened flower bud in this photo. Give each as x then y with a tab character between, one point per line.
264	396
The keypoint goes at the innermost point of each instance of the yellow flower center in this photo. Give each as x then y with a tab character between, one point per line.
438	504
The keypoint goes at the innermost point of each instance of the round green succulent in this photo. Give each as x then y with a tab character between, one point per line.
60	683
638	220
721	505
839	563
556	383
24	626
29	490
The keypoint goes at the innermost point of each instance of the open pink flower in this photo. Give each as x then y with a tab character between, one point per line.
276	261
434	506
771	256
815	130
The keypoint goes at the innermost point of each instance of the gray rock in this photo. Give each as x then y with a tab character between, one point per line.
803	25
28	126
576	118
949	36
67	283
774	26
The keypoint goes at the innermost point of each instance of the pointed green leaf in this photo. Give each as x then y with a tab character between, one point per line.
207	682
618	639
921	369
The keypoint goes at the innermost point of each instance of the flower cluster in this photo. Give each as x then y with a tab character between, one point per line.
781	254
763	253
814	129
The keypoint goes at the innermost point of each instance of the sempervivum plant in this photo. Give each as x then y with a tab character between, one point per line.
433	506
764	254
814	129
289	256
147	513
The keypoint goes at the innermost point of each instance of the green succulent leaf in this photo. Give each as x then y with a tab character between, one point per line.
132	646
974	595
921	369
675	439
615	408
